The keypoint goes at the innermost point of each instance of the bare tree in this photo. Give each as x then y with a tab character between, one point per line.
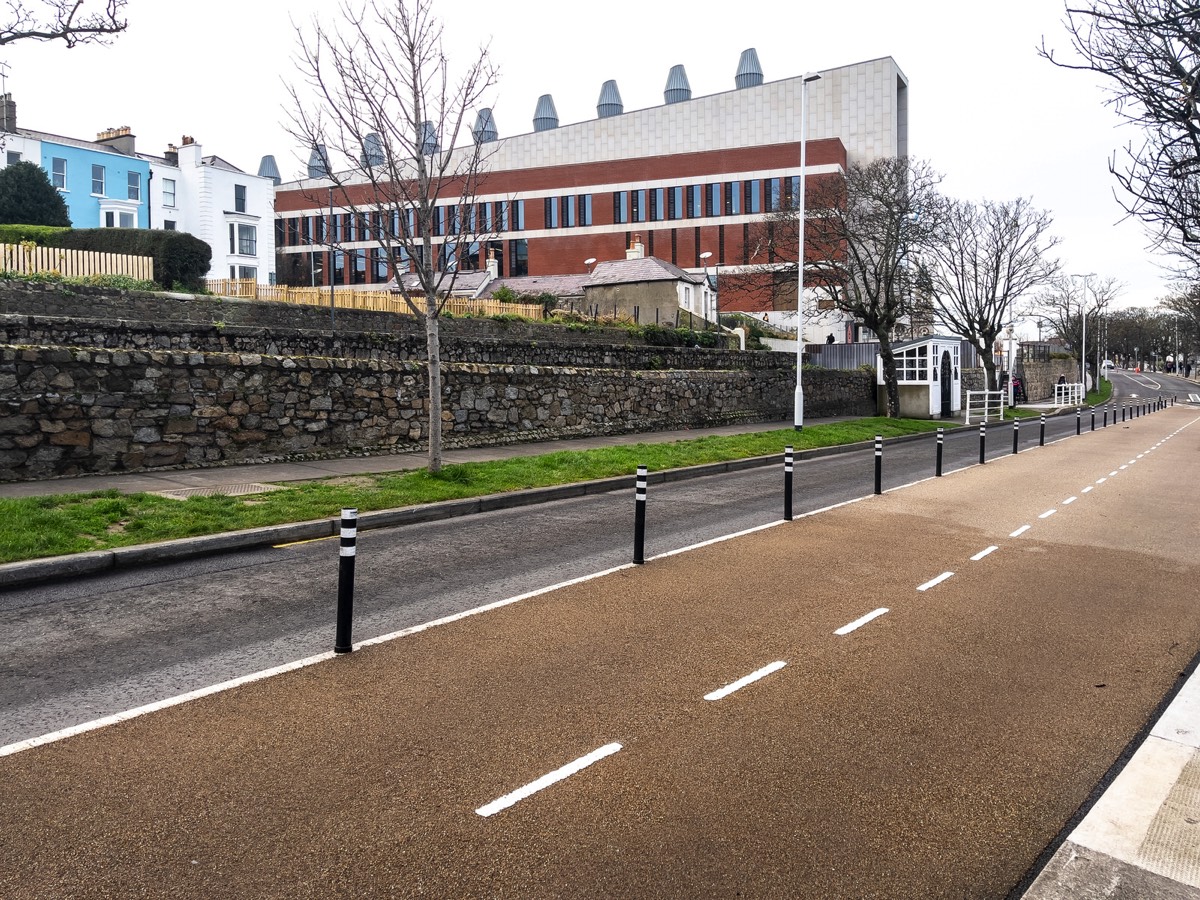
388	102
70	21
1067	302
988	256
1150	52
862	234
1183	307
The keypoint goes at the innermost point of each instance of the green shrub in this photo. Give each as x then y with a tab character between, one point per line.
179	258
38	234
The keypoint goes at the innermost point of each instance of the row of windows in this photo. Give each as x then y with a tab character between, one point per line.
728	198
478	218
567	212
133	183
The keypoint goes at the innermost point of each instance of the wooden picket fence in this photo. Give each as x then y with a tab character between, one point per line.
26	259
353	298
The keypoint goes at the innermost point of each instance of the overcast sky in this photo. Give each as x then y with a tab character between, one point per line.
984	109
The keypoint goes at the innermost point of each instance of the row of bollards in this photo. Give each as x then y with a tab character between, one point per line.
347	549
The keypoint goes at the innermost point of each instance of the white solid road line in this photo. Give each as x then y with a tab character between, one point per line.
546	780
982	553
934	582
859	623
724	692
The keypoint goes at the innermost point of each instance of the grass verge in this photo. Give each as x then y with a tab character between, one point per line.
36	527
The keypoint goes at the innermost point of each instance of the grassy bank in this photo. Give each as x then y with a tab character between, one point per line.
74	523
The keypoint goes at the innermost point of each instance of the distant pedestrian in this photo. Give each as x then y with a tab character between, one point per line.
830	339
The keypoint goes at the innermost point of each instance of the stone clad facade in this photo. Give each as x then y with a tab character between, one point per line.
111	393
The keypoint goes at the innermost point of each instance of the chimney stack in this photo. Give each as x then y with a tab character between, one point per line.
8	114
172	155
636	249
120	139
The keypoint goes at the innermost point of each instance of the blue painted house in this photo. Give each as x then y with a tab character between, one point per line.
104	184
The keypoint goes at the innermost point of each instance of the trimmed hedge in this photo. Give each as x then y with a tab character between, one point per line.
179	258
39	234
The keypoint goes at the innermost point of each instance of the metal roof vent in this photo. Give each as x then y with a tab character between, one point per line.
268	169
429	139
749	73
545	116
372	153
485	127
677	89
609	103
318	162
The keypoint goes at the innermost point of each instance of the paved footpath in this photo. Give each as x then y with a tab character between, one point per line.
917	719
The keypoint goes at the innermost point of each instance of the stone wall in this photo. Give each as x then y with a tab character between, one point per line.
1040	378
122	384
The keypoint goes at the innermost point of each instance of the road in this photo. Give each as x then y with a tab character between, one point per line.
78	651
1037	610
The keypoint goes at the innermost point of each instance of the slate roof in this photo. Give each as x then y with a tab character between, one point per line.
558	285
636	271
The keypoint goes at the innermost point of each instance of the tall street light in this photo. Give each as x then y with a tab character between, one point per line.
707	287
799	410
1083	343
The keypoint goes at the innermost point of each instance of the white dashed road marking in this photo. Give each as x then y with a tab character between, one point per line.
721	693
859	623
934	582
982	553
546	780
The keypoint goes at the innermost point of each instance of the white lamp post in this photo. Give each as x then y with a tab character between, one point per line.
799	410
704	259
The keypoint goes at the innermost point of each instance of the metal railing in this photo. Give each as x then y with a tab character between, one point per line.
984	406
1069	394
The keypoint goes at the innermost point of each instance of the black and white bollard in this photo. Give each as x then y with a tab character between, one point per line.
639	518
1078	420
1016	435
787	484
982	444
1093	409
879	463
345	606
941	437
1042	432
1106	405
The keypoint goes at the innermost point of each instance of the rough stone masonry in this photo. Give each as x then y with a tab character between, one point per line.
94	381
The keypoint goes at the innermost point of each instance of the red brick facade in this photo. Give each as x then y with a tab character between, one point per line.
676	227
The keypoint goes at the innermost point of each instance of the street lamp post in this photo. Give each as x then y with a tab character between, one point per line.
799	405
332	268
704	260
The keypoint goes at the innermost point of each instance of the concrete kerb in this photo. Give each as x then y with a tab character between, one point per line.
57	568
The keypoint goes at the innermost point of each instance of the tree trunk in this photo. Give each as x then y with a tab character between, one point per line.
433	354
989	366
890	385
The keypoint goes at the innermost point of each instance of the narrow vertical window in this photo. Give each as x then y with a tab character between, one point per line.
239	198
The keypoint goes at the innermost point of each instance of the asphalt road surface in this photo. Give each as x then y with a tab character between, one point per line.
962	661
78	651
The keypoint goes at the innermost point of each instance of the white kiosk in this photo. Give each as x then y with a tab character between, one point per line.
929	377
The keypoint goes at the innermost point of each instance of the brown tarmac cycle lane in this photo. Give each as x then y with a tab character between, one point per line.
932	751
